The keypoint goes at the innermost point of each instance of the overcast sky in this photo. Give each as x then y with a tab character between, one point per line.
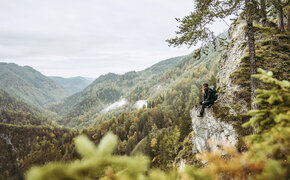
90	37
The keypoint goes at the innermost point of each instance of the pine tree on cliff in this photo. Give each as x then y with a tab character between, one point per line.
194	27
250	8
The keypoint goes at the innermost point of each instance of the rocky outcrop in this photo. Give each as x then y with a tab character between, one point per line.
210	133
213	131
221	124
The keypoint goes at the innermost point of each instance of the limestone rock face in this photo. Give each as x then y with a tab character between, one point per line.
210	133
229	64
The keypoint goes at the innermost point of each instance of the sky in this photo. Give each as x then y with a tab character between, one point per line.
90	37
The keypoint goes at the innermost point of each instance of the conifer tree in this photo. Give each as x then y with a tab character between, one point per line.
194	28
271	141
274	104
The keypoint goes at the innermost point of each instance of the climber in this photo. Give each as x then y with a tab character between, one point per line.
209	97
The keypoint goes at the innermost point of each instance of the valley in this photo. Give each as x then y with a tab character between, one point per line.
50	126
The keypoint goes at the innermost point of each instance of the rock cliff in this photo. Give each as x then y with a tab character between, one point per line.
221	124
211	131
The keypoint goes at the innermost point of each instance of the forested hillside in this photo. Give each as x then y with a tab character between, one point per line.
22	146
30	85
105	90
73	84
14	111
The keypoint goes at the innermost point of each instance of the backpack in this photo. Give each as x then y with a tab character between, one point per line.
214	92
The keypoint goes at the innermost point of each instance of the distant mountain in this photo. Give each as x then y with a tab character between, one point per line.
73	84
164	65
107	89
79	109
89	79
30	85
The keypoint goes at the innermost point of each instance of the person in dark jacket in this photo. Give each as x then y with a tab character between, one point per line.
208	98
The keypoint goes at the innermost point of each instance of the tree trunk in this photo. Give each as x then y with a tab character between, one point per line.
251	44
263	11
288	18
280	18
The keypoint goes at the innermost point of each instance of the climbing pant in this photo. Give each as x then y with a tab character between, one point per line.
204	104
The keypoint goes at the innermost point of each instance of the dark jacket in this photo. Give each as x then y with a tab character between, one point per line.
208	95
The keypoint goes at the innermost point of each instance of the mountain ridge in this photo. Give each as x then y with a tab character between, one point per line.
72	84
26	83
97	89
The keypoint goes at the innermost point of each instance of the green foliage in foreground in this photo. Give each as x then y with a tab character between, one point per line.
272	120
274	104
267	158
98	162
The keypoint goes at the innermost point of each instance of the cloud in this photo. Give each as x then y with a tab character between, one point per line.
89	37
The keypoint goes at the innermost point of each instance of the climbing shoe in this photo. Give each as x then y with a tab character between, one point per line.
199	115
